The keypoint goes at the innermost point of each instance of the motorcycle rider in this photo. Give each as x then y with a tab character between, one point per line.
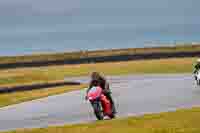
196	68
96	78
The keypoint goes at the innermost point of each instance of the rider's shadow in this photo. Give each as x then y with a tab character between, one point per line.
196	90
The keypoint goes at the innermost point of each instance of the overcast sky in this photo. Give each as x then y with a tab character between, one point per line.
69	6
37	6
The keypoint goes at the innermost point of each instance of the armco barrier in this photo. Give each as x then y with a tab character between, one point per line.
34	87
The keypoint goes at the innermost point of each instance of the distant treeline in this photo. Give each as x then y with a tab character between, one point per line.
99	56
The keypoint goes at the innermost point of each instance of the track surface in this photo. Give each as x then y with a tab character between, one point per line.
134	95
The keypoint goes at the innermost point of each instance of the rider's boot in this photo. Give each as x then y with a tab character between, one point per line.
114	109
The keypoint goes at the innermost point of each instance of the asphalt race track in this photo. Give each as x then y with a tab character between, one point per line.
133	94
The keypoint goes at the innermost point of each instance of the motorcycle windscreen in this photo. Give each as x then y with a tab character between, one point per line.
94	93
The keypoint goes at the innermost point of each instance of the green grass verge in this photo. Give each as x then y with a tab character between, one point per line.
18	97
22	76
181	121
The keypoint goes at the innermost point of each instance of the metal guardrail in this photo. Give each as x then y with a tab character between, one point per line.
35	86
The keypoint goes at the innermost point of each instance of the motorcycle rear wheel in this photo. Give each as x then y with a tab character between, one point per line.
112	116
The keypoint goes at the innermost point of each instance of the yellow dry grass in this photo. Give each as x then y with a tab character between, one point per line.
52	73
181	121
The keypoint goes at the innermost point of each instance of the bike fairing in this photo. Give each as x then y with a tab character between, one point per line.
101	105
94	93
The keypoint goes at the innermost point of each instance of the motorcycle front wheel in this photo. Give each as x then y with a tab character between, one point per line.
97	110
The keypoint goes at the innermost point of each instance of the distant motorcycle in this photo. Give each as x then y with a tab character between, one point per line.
101	105
197	77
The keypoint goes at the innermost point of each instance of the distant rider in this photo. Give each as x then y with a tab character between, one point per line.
96	78
196	67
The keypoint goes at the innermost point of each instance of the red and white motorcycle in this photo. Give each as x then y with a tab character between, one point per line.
101	105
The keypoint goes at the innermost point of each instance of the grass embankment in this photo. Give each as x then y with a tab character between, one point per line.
22	76
18	97
182	121
99	53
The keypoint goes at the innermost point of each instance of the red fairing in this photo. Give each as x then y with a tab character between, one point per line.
106	105
94	93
